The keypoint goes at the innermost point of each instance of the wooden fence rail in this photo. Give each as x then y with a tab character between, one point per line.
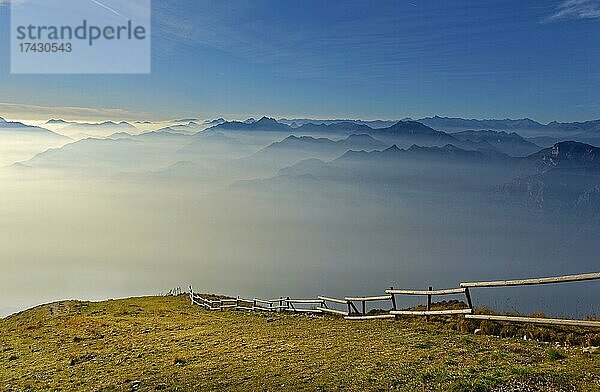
255	304
324	308
535	281
530	282
174	292
355	314
536	320
321	303
430	293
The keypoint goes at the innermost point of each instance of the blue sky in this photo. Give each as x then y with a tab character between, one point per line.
345	59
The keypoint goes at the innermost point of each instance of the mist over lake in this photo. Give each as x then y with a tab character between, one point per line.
264	209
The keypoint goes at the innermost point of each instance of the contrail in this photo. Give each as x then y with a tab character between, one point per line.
110	9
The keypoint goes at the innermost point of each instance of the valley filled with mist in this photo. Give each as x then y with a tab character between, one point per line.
298	207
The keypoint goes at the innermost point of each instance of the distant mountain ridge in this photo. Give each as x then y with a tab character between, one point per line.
106	124
404	133
458	124
451	124
443	123
293	149
524	124
563	177
119	135
266	124
370	123
507	143
217	121
15	128
360	141
58	121
411	128
446	152
336	127
593	125
568	154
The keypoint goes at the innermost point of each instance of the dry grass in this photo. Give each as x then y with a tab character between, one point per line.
164	343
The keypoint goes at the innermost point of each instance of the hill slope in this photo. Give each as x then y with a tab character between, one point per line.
164	343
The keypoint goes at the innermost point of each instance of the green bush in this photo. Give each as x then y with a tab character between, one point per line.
555	354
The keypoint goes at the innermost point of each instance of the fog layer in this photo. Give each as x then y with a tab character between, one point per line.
266	214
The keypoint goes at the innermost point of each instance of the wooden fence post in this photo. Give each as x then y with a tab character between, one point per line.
428	303
468	296
393	299
394	303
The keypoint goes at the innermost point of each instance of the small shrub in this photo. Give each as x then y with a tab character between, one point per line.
465	325
593	339
555	354
423	345
489	328
520	371
508	331
498	354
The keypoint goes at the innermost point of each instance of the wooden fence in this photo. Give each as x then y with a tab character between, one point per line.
257	304
355	308
529	282
173	292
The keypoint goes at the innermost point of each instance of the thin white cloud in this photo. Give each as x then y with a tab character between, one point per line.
37	112
575	9
108	8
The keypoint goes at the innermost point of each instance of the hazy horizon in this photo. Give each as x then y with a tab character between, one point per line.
490	60
54	113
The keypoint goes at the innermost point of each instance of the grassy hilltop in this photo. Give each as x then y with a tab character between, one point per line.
164	343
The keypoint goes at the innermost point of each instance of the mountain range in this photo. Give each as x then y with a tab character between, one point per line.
265	124
19	141
370	123
402	133
453	123
105	124
563	178
560	178
410	157
524	126
58	121
507	143
8	127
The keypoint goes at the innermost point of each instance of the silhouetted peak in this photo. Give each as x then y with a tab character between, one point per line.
568	153
266	121
392	149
